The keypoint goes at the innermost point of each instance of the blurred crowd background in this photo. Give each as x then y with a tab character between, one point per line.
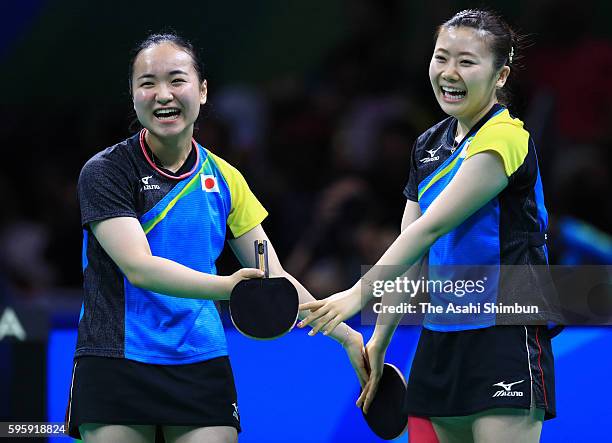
317	103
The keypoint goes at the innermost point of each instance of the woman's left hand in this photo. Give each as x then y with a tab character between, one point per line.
328	313
375	357
353	345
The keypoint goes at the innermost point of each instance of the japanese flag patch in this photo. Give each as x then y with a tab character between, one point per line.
209	183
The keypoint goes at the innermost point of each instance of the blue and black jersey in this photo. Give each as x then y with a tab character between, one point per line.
185	220
508	230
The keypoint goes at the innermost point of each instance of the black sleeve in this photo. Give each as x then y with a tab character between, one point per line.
411	191
104	191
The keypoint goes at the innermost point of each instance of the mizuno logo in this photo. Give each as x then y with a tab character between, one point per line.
507	391
235	413
508	386
147	186
432	153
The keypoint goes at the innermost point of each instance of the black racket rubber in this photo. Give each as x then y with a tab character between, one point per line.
265	308
385	416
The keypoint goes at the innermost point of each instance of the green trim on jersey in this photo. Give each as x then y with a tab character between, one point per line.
189	188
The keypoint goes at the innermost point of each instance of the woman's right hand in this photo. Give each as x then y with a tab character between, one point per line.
328	313
238	276
375	359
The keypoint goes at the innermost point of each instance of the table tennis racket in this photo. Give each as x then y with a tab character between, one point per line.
385	416
264	308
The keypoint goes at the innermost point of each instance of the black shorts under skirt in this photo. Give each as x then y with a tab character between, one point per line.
466	372
120	391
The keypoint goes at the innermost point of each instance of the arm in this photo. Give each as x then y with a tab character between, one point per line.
126	243
386	323
480	178
350	339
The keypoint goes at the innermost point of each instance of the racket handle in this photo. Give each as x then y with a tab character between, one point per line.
261	256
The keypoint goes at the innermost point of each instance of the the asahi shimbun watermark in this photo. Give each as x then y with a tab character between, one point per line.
456	288
488	295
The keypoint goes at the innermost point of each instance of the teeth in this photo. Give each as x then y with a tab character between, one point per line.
167	111
447	89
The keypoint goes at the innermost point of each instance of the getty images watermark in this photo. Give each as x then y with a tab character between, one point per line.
450	288
488	295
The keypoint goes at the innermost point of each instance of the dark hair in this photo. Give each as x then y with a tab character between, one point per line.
504	42
174	39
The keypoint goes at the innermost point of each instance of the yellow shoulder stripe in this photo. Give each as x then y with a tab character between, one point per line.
246	211
504	136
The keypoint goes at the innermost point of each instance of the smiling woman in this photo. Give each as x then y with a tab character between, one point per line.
470	66
168	90
463	76
474	198
151	352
